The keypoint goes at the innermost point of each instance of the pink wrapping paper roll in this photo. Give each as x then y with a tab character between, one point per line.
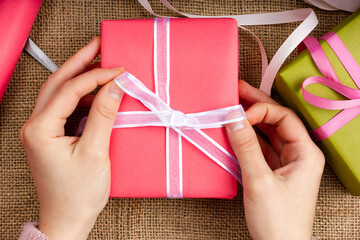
16	19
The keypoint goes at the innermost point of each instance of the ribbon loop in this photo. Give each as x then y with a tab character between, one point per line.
350	107
136	89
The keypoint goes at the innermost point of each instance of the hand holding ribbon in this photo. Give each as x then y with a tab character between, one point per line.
187	125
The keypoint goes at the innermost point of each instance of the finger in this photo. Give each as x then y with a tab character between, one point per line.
64	102
271	156
288	126
272	135
250	95
101	118
86	101
244	142
92	66
71	68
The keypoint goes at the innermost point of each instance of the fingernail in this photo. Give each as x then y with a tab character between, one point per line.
235	126
119	69
114	91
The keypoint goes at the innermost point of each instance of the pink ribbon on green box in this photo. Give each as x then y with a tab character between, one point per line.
350	107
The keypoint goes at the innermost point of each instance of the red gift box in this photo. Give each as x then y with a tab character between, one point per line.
204	77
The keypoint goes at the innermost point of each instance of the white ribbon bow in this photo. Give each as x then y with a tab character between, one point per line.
162	115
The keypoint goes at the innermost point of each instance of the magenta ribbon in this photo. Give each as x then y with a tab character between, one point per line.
350	107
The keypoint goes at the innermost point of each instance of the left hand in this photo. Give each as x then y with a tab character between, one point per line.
72	174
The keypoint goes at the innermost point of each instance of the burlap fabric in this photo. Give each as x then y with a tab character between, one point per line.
60	29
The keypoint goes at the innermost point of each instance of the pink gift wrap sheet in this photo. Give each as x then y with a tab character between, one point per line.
16	19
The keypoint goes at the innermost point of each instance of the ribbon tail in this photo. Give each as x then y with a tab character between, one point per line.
40	56
295	38
213	150
334	124
148	8
269	71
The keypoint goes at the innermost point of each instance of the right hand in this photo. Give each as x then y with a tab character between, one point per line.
280	180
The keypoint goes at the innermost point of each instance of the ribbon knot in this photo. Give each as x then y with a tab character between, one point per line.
178	119
350	107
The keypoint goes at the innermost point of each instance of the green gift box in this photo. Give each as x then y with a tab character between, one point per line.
341	149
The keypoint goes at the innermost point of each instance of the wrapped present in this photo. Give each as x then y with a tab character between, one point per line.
321	85
16	19
192	66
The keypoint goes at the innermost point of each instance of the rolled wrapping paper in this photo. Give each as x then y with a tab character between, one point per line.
16	19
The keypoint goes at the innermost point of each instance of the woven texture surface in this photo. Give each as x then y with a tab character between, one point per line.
60	29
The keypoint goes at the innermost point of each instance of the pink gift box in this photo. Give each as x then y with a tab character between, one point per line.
204	77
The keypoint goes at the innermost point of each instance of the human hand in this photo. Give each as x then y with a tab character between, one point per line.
280	180
72	174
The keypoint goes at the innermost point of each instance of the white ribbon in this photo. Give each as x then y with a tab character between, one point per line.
172	118
162	115
39	55
269	72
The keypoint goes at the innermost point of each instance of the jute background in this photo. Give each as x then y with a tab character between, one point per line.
60	29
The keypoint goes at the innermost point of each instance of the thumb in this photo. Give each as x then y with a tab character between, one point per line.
102	116
247	149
